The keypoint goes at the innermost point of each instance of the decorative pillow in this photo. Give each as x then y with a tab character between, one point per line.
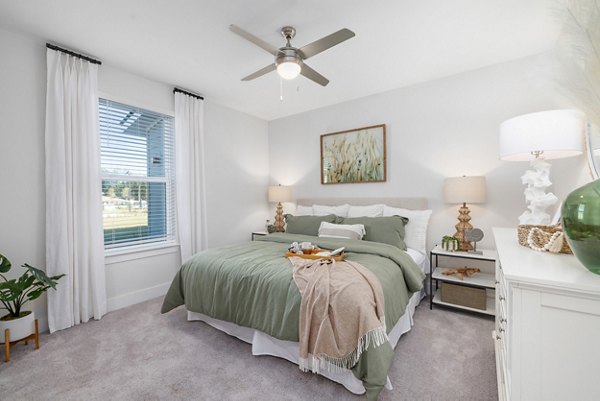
350	231
365	211
388	230
304	211
322	210
306	225
416	228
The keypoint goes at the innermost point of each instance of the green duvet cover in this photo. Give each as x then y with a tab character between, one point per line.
251	285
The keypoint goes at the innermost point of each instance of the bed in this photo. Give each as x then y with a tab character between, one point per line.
246	291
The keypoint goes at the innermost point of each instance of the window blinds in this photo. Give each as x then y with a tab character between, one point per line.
138	175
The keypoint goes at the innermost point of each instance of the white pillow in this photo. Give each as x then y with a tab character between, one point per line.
415	231
350	231
366	211
322	210
303	210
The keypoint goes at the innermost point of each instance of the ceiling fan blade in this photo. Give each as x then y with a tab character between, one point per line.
257	41
325	43
313	75
260	72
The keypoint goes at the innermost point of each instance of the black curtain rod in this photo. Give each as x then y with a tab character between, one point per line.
187	93
71	53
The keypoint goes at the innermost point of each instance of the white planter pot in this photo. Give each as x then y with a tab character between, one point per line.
19	328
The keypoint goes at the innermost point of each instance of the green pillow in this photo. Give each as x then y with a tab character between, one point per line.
388	230
306	225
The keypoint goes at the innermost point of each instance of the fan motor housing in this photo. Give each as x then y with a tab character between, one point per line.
286	55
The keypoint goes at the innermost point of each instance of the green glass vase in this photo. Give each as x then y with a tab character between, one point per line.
581	222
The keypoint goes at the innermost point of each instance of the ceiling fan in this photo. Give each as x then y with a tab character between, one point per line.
289	60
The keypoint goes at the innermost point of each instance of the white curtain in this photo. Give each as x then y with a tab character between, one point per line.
74	234
189	161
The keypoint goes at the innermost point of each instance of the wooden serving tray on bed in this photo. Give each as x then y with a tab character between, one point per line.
313	255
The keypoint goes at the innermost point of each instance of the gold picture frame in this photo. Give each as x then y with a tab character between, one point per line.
354	156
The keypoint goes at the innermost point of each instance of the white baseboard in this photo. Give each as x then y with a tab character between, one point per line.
136	297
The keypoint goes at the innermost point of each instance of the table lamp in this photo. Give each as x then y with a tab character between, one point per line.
537	137
464	190
278	194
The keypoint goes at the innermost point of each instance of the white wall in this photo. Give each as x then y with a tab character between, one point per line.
236	164
438	129
22	108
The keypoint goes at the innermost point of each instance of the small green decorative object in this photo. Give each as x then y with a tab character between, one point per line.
581	222
450	243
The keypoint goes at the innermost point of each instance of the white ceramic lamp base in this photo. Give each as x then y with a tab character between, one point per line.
537	180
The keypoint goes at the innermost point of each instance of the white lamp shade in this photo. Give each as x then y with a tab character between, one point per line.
556	133
288	70
280	193
464	190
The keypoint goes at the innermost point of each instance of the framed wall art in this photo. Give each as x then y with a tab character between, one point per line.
354	156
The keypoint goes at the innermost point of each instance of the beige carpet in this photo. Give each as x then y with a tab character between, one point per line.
138	354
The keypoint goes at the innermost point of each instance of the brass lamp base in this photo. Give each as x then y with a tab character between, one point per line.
462	226
279	223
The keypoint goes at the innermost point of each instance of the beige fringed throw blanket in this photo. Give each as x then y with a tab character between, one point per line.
341	313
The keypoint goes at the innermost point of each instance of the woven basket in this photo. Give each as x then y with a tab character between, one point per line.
540	236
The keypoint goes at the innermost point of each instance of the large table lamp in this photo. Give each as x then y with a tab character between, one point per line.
278	194
464	190
537	137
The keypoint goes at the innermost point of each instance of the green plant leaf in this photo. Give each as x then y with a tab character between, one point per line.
14	286
9	296
26	280
4	285
5	264
56	278
40	275
36	293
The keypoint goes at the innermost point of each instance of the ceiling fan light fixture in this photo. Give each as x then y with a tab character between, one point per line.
289	60
288	69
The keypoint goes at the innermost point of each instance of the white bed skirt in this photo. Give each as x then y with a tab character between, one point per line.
264	344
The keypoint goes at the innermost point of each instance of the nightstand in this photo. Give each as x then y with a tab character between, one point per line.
258	234
465	293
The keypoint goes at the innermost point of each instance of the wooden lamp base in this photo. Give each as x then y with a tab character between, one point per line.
279	222
8	344
462	226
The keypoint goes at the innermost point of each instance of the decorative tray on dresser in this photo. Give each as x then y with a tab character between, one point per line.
547	332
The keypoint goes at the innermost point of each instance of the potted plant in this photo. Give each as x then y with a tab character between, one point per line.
17	292
449	243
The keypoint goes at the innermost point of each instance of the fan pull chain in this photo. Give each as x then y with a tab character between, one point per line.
281	89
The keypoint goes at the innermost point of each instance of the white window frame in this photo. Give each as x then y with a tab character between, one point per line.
146	247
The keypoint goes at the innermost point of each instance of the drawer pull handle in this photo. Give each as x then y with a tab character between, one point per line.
501	298
503	320
497	282
498	337
500	329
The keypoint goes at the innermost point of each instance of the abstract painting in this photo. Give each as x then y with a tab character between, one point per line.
353	156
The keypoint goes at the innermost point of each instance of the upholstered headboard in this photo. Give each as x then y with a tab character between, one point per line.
406	203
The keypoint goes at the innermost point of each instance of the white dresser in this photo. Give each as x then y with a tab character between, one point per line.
547	331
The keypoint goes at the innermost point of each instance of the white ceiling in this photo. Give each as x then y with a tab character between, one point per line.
187	43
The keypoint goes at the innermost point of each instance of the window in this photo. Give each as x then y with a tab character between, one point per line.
138	175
